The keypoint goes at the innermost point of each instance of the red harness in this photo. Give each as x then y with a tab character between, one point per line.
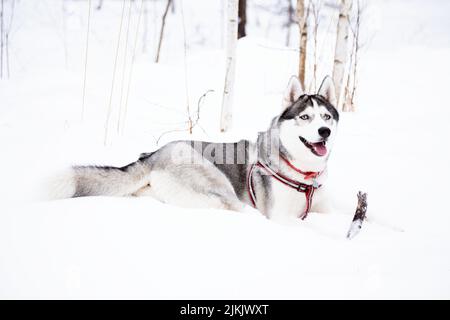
307	189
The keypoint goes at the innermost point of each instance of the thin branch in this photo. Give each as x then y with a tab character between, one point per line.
133	58
2	37
124	68
194	123
159	105
64	32
86	59
7	31
289	22
199	104
350	89
167	132
108	117
186	82
357	47
145	32
316	14
7	53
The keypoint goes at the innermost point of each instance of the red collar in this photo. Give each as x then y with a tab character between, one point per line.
307	189
307	174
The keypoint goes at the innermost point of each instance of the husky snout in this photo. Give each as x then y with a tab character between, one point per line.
324	132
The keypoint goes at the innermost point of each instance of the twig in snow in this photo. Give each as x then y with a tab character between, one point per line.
360	215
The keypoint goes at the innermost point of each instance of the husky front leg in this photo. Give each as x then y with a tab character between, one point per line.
285	202
322	201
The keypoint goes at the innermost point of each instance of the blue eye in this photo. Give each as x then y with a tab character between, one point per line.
326	117
304	117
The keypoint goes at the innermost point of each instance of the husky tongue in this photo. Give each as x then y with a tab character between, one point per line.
319	148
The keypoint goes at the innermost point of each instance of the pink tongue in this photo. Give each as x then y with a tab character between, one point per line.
319	148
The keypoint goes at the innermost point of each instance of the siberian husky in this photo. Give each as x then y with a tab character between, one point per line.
282	174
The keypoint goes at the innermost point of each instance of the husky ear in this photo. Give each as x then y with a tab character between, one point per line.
328	91
293	91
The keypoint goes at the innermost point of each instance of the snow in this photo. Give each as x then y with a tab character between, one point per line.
394	147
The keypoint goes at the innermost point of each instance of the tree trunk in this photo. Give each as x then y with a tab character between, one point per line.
303	26
242	18
230	64
341	50
161	34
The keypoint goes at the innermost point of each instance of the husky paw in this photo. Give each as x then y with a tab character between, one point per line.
322	207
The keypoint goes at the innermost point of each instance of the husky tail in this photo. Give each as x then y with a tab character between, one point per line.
83	181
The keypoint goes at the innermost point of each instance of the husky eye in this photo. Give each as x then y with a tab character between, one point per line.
304	117
326	117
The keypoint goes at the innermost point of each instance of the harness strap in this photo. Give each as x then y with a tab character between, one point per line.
251	191
307	189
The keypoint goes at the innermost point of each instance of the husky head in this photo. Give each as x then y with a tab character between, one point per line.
308	123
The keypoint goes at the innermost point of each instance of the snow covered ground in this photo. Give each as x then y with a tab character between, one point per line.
395	148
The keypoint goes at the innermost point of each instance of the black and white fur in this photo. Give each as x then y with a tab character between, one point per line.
214	175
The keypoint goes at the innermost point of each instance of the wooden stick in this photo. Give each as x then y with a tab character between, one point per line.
359	216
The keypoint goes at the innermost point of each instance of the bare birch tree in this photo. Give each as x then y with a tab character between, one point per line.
230	64
303	27
341	50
